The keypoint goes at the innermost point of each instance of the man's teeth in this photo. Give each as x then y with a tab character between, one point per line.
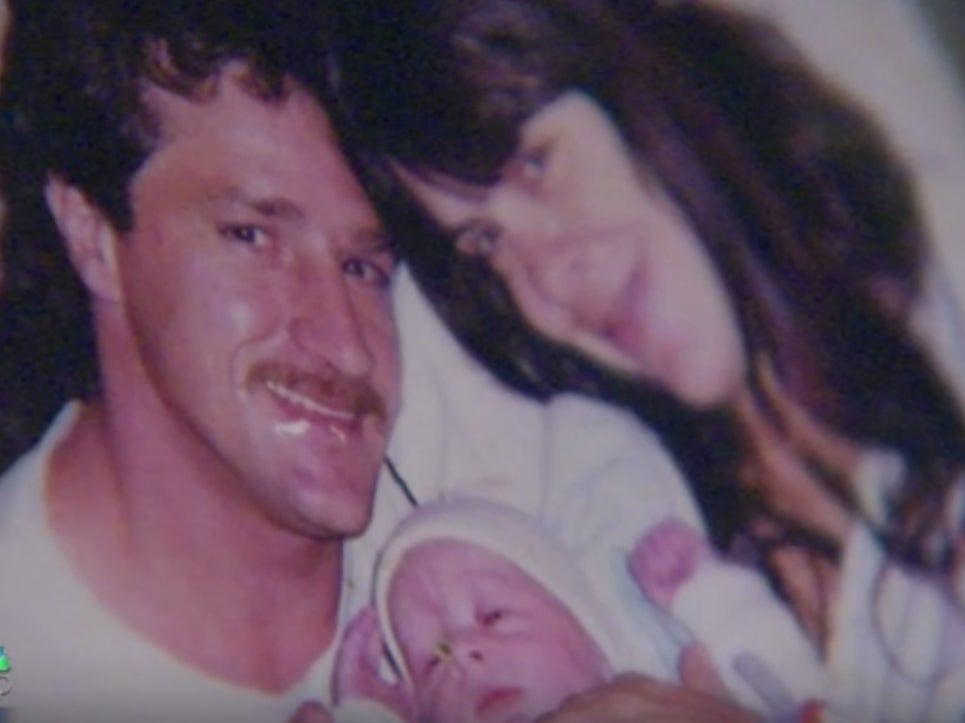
297	428
309	405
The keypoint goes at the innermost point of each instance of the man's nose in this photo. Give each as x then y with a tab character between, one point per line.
325	320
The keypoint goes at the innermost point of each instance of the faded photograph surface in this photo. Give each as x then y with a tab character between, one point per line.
482	361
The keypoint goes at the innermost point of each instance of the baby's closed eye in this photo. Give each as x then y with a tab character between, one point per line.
491	616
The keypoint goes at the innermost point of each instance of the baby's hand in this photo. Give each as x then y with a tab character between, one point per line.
664	558
357	668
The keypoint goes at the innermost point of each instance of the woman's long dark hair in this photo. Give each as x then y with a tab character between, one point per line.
796	197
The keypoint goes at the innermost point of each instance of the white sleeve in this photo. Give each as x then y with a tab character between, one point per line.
611	477
461	431
612	480
460	428
609	480
898	650
938	320
753	638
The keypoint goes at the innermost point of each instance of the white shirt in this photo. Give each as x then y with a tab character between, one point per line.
72	660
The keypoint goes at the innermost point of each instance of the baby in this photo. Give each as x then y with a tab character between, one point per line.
487	618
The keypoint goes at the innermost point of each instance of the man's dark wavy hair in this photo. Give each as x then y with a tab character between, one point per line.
72	107
799	203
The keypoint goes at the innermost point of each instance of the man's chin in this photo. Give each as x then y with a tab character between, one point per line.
336	517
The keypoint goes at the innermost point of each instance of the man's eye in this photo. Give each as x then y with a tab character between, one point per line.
478	239
244	233
368	272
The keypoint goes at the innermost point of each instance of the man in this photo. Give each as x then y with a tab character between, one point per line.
172	548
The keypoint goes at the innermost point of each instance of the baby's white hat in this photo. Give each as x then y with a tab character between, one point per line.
511	534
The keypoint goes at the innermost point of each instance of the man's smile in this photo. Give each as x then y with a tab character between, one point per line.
329	395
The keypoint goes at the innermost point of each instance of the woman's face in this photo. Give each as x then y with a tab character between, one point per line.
596	254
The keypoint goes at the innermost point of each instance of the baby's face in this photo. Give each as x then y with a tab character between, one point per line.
482	640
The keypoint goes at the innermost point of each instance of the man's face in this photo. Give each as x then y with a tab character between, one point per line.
255	286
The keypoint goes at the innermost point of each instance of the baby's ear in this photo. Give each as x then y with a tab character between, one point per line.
89	238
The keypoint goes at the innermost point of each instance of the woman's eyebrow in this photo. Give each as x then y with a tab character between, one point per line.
462	189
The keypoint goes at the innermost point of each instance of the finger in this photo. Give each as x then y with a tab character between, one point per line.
765	682
628	698
357	661
311	711
368	636
698	672
364	621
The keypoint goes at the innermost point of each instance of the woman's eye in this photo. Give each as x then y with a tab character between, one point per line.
531	163
528	167
479	239
244	233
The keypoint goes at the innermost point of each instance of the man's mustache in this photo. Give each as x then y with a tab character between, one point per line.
329	387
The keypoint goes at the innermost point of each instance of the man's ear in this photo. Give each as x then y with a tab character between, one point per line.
90	239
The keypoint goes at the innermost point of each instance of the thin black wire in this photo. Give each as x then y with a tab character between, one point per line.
400	482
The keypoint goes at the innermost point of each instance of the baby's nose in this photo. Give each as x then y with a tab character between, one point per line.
463	649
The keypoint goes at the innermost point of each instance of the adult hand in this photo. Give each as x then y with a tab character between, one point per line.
357	668
311	711
635	698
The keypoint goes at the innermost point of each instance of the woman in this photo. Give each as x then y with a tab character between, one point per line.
695	227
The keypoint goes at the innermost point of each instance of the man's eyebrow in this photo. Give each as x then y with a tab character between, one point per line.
376	240
268	206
